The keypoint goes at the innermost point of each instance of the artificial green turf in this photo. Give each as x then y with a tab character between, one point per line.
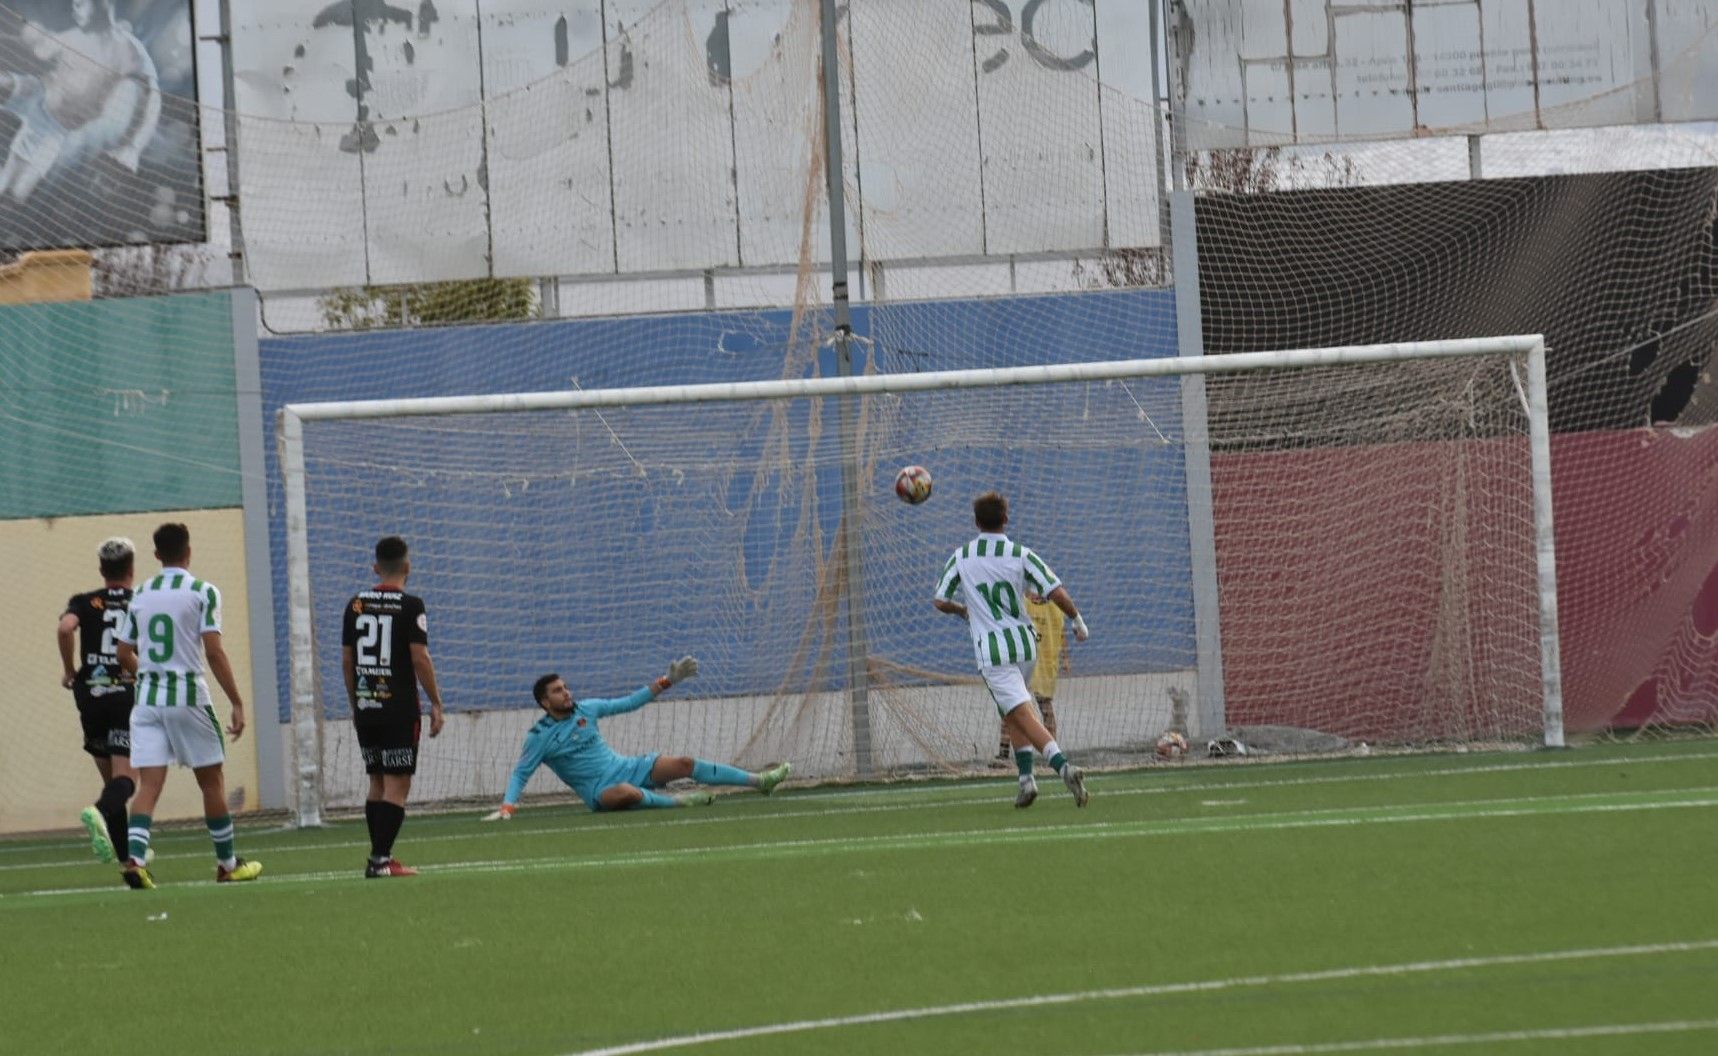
561	931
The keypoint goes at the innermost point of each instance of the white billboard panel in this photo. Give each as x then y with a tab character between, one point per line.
544	75
1373	94
589	137
1128	107
1038	128
299	177
1445	41
772	59
671	135
1687	58
918	137
1310	71
426	206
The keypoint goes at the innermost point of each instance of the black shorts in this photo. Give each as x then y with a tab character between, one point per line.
389	743
106	721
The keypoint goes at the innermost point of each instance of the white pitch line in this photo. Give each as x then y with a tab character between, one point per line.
762	813
202	850
980	785
1531	761
1014	834
1610	1030
1154	990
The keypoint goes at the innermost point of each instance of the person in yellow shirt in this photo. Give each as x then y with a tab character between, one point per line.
1047	621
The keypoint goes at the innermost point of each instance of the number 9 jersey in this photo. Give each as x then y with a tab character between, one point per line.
380	626
166	622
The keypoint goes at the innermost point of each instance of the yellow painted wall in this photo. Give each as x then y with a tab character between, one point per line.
45	776
51	275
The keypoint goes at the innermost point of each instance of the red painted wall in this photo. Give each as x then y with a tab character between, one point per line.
1385	617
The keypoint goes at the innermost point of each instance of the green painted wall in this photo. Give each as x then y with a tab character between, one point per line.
115	406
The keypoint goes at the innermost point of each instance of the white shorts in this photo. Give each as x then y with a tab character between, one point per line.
1006	682
187	735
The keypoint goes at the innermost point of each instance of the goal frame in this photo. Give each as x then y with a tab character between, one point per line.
306	712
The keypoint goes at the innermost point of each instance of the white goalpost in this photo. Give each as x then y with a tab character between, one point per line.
1383	545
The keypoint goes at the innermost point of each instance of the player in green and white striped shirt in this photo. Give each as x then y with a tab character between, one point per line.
984	583
173	630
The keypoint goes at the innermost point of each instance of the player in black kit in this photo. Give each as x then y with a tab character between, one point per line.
90	665
384	640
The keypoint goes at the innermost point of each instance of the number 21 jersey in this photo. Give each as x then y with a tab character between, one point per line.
381	625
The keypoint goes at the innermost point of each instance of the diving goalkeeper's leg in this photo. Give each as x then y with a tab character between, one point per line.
674	767
631	797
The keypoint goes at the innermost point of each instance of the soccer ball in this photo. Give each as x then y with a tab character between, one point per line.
1171	746
913	485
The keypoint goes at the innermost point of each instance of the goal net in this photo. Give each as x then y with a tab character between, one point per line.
1385	494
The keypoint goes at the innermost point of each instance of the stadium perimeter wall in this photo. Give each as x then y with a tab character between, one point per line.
115	415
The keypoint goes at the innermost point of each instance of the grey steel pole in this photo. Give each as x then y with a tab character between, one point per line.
858	651
1159	127
230	148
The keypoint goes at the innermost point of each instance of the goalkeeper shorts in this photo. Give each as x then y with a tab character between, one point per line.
631	770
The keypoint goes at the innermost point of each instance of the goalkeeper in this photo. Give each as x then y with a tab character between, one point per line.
566	739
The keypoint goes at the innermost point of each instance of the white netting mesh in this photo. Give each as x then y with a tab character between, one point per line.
1390	505
1619	269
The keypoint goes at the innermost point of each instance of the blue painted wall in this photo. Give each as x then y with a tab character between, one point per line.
512	596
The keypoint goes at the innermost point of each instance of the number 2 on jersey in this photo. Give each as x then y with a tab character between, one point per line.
375	640
112	621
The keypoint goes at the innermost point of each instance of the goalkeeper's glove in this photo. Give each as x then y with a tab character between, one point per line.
504	814
1081	633
681	669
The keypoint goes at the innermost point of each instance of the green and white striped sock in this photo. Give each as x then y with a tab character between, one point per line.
137	838
221	832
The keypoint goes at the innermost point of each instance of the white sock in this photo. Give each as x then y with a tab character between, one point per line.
229	864
1052	750
1027	780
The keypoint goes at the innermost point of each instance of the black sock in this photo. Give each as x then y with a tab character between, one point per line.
386	827
112	806
370	822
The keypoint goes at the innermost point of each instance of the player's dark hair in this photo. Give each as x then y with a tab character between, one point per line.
390	554
540	688
172	542
990	511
